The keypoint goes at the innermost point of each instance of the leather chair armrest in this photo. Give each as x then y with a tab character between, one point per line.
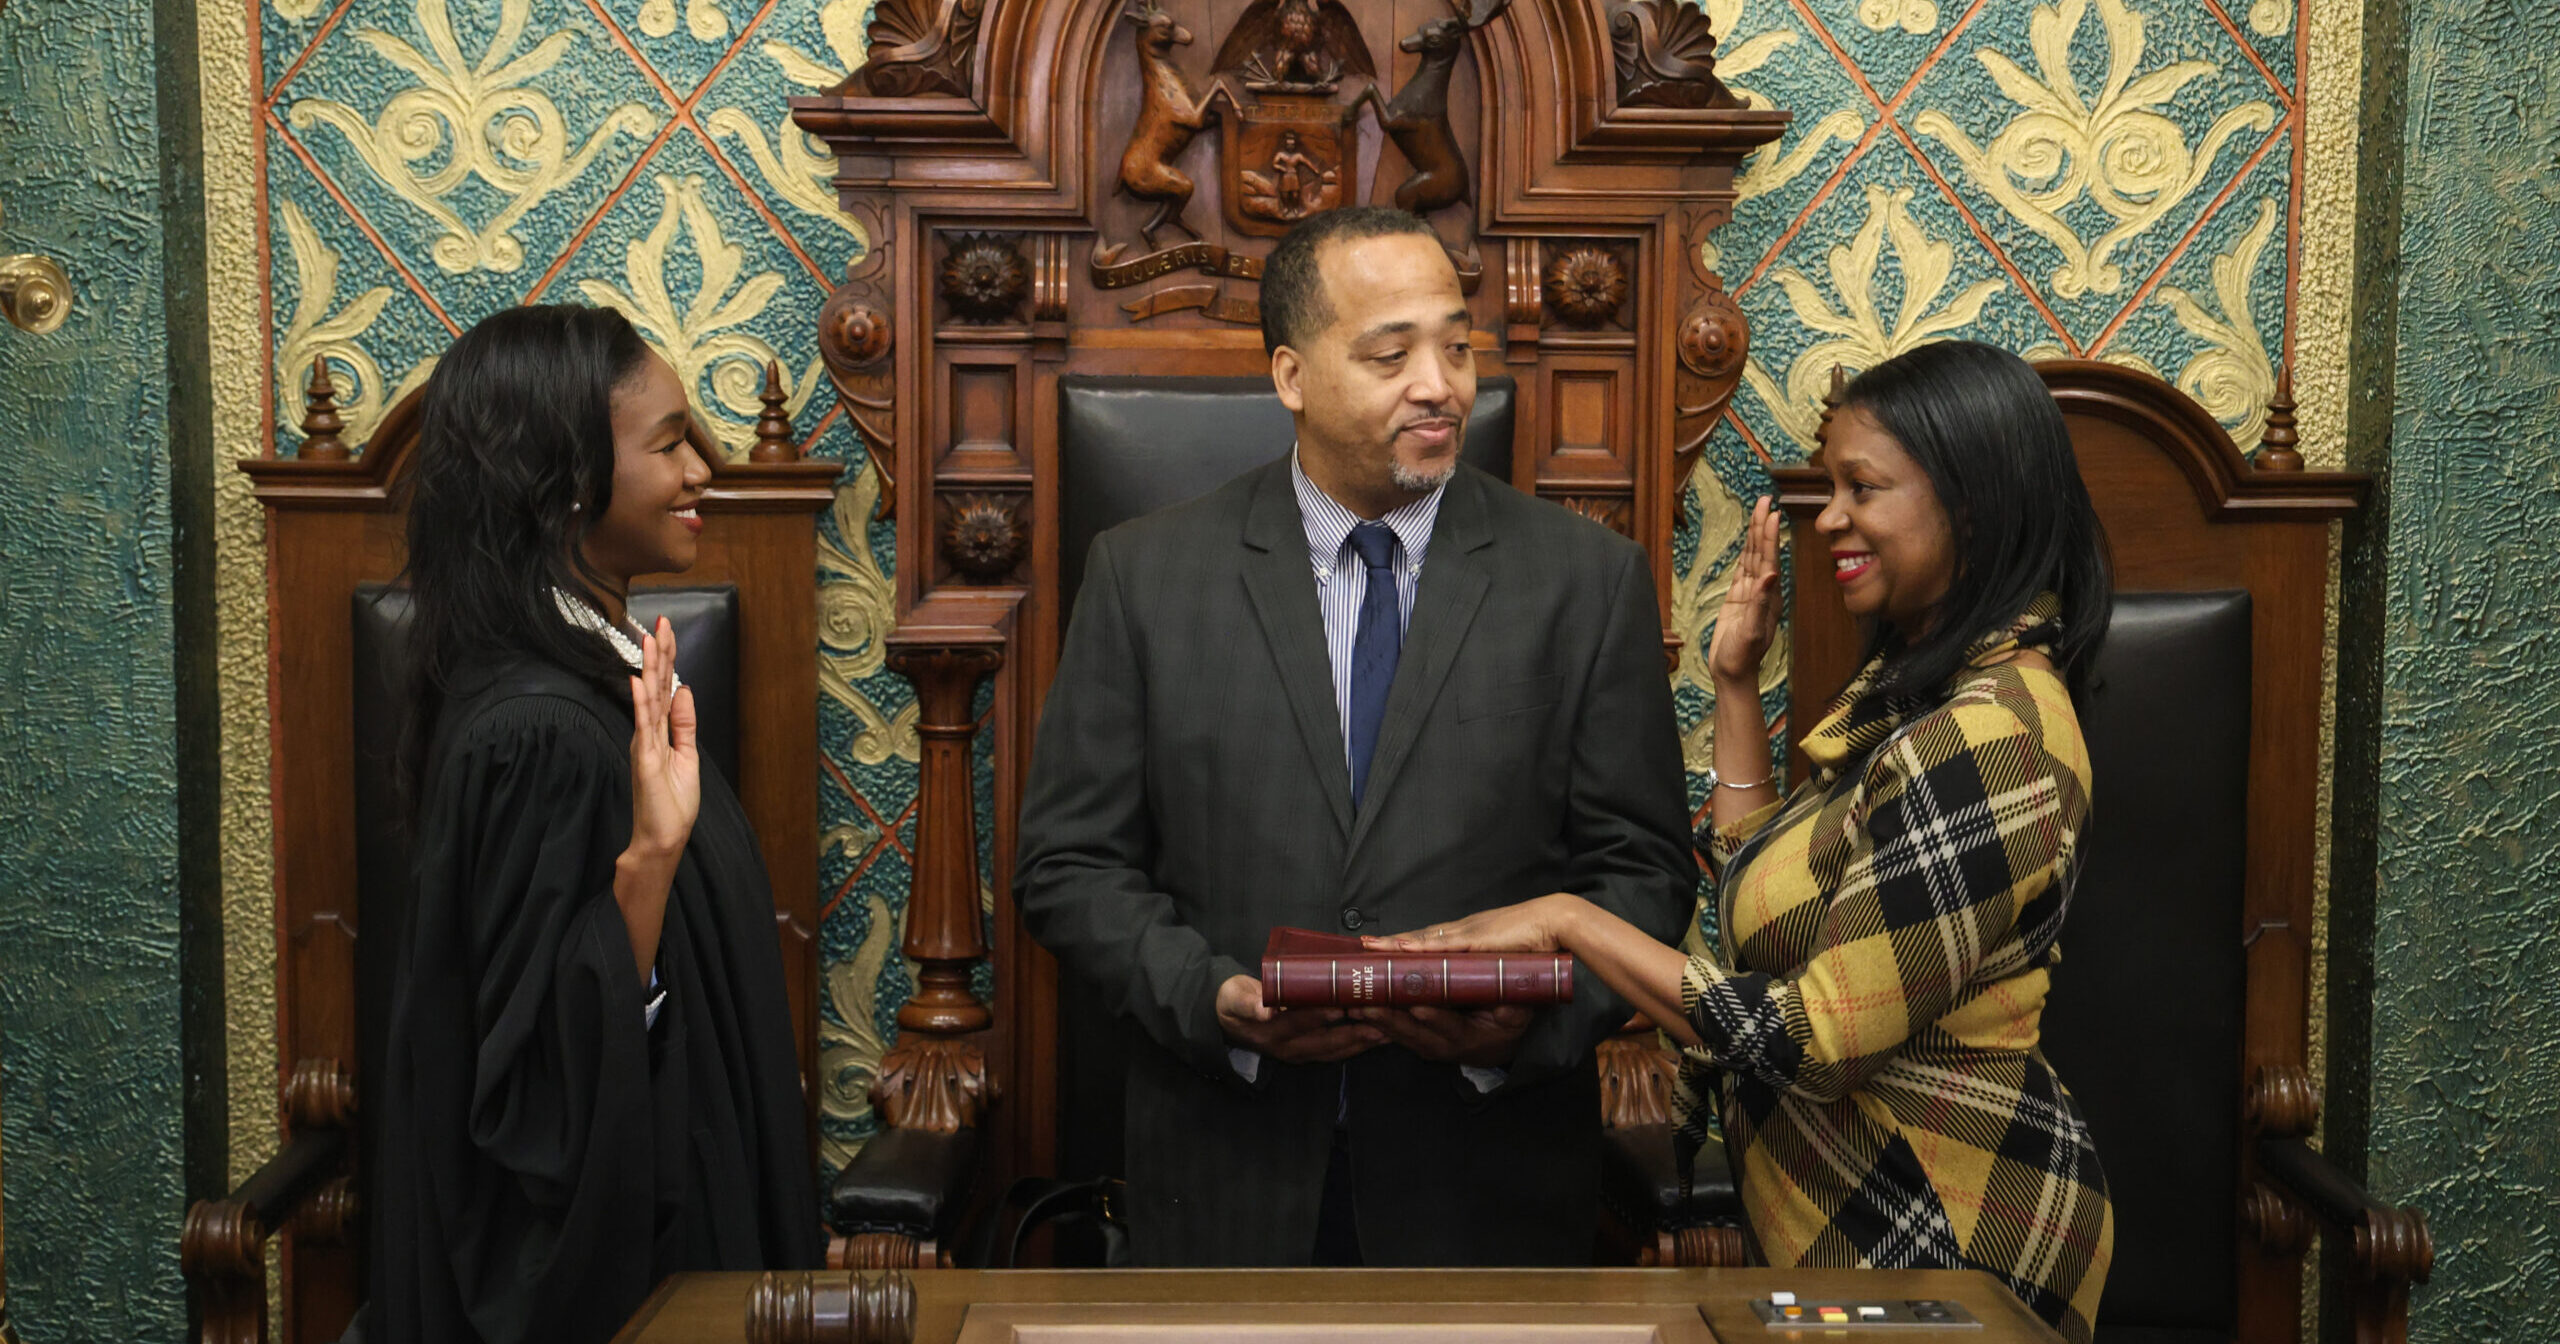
2389	1247
910	1182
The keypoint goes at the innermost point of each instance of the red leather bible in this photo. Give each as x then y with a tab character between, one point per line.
1302	968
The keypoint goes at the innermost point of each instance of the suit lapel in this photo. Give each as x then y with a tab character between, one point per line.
1444	606
1284	598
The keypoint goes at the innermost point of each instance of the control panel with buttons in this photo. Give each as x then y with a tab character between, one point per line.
1783	1311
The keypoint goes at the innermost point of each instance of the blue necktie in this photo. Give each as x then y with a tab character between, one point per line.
1374	650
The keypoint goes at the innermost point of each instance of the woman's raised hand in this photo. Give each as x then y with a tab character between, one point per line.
1748	622
666	768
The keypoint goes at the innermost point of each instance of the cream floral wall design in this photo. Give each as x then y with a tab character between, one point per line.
423	163
2094	179
2113	179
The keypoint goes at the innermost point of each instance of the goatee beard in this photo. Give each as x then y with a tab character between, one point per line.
1421	480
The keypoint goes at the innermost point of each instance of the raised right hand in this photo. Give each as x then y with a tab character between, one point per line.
1748	622
1291	1035
666	765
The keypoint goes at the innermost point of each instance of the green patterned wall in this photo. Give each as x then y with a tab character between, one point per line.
2113	178
2463	631
93	1089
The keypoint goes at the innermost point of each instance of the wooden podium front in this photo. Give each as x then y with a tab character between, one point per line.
1300	1306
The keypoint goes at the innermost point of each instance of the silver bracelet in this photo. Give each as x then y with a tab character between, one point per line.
1716	781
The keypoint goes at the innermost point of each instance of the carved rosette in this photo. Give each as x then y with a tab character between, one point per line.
1712	342
852	335
984	278
2393	1245
933	1082
822	1307
1666	57
983	535
1585	285
329	1216
919	49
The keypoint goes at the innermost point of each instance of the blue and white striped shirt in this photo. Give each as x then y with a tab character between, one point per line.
1342	581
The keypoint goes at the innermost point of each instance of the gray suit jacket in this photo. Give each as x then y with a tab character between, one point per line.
1188	794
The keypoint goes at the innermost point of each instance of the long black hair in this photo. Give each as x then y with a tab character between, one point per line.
512	468
1982	425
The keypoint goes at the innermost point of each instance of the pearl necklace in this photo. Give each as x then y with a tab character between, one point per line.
583	615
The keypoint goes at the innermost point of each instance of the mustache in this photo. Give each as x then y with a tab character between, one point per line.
1432	418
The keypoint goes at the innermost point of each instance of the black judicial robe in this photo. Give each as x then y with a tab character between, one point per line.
545	1156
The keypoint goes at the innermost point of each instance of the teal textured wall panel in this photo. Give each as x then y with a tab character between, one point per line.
2466	1019
90	1087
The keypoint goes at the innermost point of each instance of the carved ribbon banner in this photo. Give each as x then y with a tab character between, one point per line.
1208	258
1212	300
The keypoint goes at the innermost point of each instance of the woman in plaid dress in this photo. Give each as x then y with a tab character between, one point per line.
1867	1020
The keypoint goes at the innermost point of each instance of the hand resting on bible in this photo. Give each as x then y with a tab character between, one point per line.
1292	1035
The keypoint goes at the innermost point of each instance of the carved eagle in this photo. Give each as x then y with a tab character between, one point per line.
1295	44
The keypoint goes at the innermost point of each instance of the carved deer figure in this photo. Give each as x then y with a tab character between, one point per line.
1169	114
1417	118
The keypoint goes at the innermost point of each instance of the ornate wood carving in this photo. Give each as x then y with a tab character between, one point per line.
1636	1078
933	1082
1168	116
2282	1101
2278	446
774	440
1514	124
1417	118
2275	1222
1666	56
920	49
820	1307
1295	46
328	1217
856	335
1609	511
1697	1248
984	277
1524	308
223	1253
320	420
319	1094
984	535
1713	341
1586	284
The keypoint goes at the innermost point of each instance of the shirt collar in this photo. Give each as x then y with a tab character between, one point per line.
1329	524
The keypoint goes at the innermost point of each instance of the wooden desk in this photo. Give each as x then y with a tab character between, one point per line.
1286	1306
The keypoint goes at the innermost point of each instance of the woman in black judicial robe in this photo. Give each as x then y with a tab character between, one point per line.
591	1078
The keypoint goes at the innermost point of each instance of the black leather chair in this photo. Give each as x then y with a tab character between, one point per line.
706	628
2144	1023
1127	447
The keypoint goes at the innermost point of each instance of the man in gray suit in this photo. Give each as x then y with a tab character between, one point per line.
1362	688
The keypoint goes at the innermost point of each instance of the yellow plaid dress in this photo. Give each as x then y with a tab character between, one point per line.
1870	1015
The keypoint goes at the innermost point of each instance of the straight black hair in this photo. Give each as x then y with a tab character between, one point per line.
512	469
1984	428
1294	304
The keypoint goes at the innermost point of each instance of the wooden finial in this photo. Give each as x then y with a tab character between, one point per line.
2276	447
1830	406
773	428
320	422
